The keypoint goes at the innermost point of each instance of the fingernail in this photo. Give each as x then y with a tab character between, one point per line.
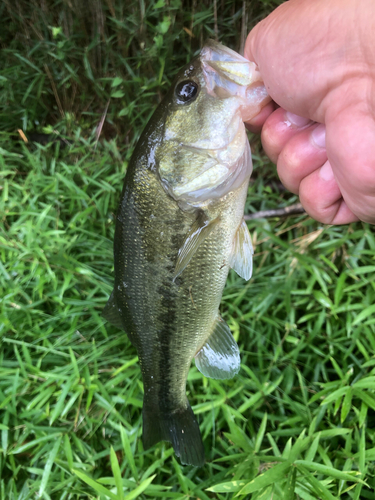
296	120
318	136
326	172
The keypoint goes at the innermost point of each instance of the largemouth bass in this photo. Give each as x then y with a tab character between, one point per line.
179	229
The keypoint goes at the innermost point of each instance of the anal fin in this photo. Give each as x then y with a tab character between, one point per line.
219	357
241	259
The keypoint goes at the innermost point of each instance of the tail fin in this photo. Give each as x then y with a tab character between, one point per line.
180	428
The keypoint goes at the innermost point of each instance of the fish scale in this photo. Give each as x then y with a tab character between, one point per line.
179	229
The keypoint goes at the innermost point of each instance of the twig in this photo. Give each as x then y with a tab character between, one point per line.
215	21
100	125
295	209
192	18
243	28
53	85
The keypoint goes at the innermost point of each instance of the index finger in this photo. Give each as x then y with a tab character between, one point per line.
256	123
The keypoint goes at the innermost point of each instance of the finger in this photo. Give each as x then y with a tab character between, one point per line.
278	129
301	155
321	197
255	124
350	147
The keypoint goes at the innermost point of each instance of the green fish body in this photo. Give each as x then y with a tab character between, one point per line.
179	229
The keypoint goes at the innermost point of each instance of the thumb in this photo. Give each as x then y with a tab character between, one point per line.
272	47
250	51
265	45
292	49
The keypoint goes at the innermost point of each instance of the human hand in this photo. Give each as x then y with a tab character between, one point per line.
317	60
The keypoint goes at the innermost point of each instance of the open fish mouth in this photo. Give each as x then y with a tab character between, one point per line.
228	74
225	71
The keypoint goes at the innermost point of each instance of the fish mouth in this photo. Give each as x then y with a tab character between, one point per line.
228	77
225	71
228	74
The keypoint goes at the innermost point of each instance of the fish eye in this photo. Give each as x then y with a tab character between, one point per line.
186	91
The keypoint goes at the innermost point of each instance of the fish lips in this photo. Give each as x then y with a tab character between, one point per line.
228	74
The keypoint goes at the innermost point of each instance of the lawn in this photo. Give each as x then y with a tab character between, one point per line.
298	421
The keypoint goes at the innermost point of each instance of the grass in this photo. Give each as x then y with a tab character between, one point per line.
297	422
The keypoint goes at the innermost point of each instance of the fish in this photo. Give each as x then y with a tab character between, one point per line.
179	229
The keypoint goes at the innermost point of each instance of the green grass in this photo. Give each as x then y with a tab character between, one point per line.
296	423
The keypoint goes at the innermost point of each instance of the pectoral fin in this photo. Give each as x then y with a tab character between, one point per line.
241	259
194	238
219	357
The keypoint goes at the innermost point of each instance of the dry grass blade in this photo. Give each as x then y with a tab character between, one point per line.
100	125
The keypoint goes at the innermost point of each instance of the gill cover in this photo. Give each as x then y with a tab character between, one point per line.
205	152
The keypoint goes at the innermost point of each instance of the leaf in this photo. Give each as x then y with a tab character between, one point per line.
328	433
274	474
140	489
260	435
128	452
60	402
362	414
323	299
313	449
48	466
369	400
117	94
68	451
228	487
300	444
35	442
94	485
291	485
337	368
330	471
323	492
116	474
346	404
365	383
116	82
4	433
339	290
163	26
335	395
365	313
362	453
